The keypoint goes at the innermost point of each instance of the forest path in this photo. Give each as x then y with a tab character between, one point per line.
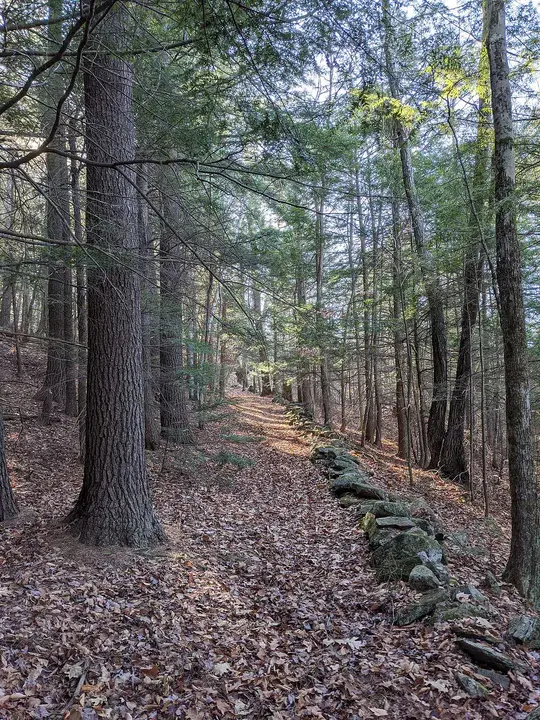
263	605
290	578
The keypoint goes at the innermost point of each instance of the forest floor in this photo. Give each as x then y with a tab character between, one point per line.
262	605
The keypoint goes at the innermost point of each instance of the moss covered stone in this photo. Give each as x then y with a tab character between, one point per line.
425	605
352	483
397	558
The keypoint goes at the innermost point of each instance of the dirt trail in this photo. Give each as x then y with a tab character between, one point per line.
262	606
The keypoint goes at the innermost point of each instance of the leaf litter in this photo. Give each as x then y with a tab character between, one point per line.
262	605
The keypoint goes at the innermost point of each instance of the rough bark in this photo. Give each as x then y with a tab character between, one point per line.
149	309
5	306
57	218
82	316
173	396
69	351
523	568
8	504
114	506
453	463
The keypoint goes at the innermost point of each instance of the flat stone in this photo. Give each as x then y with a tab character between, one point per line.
486	656
425	605
346	469
341	463
382	508
459	611
397	558
471	686
381	530
422	578
351	483
498	679
328	452
382	537
525	629
348	457
395	522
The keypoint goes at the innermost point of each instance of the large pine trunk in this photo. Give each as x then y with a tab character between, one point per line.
523	568
114	506
8	504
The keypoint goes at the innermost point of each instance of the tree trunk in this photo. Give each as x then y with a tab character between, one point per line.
203	374
319	276
5	307
70	367
305	388
266	387
16	340
223	346
173	404
453	462
57	215
368	418
523	568
354	305
399	335
82	314
434	294
149	305
8	504
114	506
420	406
375	321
